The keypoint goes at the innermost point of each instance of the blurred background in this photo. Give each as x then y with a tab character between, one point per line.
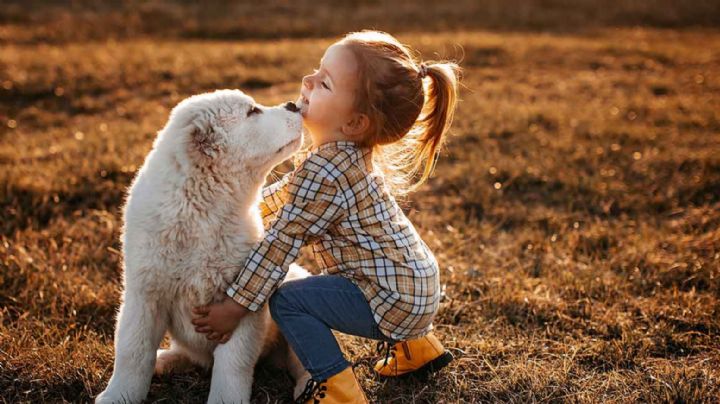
575	211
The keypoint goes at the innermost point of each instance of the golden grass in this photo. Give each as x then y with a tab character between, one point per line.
575	212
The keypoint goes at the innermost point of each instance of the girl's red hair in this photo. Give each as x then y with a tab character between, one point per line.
409	113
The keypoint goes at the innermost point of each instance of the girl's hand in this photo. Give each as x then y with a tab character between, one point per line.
218	320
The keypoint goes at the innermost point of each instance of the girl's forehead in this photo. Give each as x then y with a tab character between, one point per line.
339	63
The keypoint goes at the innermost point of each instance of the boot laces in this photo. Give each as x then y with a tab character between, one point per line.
314	390
388	348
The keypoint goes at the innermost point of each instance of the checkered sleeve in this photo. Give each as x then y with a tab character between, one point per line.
314	204
273	198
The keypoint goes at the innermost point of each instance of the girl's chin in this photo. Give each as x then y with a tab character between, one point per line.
306	119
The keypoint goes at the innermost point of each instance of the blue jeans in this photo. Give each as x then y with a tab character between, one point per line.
306	310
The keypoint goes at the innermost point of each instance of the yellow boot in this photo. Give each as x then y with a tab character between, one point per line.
418	356
341	388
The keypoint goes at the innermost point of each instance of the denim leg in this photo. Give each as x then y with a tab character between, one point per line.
306	310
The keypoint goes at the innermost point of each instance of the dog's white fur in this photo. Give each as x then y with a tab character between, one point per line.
190	220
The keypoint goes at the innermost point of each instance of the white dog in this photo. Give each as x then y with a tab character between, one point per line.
191	219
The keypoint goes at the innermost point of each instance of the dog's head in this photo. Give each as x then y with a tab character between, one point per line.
228	130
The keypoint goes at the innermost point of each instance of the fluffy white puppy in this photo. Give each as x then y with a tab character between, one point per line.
190	220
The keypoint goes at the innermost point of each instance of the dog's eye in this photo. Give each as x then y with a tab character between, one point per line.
254	110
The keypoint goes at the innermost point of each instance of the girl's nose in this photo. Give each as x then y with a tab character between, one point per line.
307	81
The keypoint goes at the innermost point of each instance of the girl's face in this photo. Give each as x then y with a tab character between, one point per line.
327	95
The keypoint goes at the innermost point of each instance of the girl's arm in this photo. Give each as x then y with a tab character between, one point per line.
314	203
274	195
273	198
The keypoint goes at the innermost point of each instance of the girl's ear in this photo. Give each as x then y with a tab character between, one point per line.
356	125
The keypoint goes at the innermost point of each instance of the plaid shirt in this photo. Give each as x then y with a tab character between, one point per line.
338	204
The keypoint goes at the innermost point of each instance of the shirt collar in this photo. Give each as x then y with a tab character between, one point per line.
365	152
337	143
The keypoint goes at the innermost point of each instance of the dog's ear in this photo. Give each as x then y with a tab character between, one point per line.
206	138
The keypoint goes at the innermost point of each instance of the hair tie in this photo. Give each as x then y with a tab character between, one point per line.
423	70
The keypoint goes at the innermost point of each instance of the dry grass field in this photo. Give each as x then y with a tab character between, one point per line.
575	211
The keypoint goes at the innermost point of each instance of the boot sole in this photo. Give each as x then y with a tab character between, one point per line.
428	368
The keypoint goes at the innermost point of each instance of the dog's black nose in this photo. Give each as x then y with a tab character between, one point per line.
290	106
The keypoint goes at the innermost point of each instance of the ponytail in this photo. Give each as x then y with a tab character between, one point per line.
410	106
436	117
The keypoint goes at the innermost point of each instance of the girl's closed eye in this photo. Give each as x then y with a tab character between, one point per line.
315	71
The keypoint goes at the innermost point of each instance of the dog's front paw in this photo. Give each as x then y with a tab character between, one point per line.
123	391
108	397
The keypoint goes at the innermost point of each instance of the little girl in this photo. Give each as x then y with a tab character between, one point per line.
376	118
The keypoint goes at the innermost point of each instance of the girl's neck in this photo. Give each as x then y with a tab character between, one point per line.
319	140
